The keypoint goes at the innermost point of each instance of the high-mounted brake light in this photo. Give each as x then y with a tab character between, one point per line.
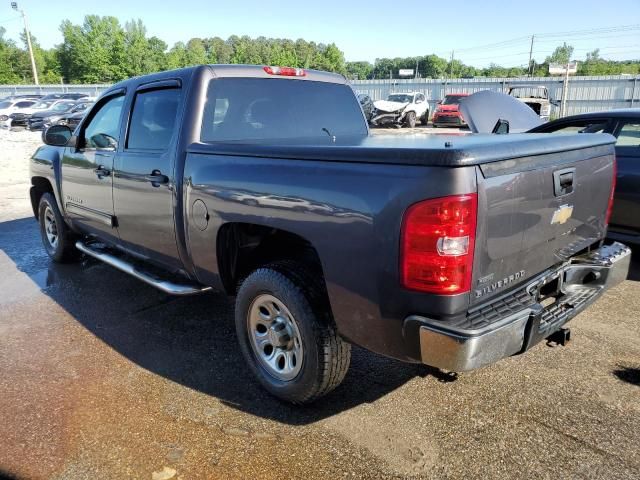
285	71
613	191
437	243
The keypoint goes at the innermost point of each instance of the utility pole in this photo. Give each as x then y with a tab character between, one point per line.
14	5
530	69
451	65
565	91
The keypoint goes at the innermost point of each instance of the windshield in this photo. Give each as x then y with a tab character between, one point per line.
451	100
62	107
42	105
262	109
400	98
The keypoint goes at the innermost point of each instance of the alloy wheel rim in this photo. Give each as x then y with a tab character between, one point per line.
50	227
275	337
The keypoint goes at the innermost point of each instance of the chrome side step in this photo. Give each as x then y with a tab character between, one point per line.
166	286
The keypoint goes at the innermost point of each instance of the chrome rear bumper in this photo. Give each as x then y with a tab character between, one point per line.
580	282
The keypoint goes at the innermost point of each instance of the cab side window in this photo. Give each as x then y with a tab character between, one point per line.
103	130
629	135
153	119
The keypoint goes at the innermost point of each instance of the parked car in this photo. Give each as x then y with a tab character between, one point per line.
448	112
72	119
401	109
65	96
21	118
624	124
10	106
536	96
367	105
451	251
22	97
7	107
40	120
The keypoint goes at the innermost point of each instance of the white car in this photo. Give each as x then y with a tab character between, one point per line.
21	117
401	109
7	107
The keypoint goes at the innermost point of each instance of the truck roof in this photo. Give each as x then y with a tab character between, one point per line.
240	71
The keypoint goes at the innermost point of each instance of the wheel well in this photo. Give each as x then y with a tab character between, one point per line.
40	186
243	247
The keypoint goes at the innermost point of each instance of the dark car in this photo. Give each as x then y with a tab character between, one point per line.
58	112
39	120
65	96
72	119
624	124
367	105
454	252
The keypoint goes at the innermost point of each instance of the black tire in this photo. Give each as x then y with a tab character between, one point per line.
425	118
410	119
325	356
63	249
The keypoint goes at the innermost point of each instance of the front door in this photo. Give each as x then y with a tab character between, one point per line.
87	170
143	181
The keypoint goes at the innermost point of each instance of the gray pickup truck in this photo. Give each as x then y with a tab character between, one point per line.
263	182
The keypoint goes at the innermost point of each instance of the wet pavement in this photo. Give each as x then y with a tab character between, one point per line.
102	376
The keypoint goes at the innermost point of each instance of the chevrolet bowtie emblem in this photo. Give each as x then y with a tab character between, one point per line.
562	214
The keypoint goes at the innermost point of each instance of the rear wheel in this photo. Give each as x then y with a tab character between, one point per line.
410	119
425	118
287	335
58	240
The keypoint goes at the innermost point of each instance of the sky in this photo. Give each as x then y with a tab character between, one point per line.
369	30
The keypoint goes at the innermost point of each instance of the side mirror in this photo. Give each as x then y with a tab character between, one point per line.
57	135
439	102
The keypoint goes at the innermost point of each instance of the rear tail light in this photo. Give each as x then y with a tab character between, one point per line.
613	191
285	71
437	243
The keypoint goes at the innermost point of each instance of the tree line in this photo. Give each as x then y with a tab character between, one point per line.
102	50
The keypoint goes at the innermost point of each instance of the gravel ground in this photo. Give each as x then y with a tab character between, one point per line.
102	376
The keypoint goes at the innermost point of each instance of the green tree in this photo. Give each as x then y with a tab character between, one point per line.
359	70
93	52
561	54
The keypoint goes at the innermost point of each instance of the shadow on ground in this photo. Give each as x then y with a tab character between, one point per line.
628	374
189	340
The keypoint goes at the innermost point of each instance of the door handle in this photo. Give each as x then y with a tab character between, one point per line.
157	178
102	172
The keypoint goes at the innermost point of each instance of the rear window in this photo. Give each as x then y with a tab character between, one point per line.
451	100
261	109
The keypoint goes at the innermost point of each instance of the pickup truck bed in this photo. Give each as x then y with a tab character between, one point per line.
454	251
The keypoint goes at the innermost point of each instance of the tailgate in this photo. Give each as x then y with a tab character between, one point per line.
536	212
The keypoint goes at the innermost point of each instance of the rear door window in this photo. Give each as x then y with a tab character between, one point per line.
629	135
153	119
581	126
254	109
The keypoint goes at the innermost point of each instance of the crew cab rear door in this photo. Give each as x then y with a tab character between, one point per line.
87	169
626	207
143	183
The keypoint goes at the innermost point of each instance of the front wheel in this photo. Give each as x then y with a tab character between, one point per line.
410	119
58	240
287	334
